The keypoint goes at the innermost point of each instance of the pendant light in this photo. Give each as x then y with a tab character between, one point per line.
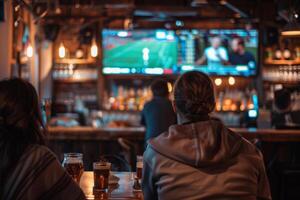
94	48
61	50
29	50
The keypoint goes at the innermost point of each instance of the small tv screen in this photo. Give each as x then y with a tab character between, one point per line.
139	51
218	51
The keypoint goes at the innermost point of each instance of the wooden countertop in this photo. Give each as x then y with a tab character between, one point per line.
137	133
88	133
270	135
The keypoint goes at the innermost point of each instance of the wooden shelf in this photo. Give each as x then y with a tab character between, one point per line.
282	62
73	80
122	111
76	61
282	82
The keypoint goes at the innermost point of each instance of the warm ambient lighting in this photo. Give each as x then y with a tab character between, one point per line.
170	87
291	33
231	80
94	48
291	29
29	51
218	81
61	50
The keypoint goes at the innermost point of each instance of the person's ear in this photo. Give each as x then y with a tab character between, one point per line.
174	106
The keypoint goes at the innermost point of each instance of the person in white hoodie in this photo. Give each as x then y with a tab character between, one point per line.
200	158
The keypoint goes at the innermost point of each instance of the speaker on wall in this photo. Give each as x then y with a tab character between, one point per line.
1	10
51	31
271	36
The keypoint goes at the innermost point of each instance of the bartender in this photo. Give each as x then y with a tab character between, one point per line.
158	114
282	114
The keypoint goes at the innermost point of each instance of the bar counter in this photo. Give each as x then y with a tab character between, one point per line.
94	142
137	133
88	133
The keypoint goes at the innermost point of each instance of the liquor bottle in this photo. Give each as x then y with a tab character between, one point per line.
278	53
269	53
297	52
286	52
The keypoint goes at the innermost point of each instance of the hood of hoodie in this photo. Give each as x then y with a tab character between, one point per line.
200	144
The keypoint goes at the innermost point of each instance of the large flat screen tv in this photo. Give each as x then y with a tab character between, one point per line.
218	51
139	52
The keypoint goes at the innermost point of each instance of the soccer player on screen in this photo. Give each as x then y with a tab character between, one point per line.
215	55
239	56
145	52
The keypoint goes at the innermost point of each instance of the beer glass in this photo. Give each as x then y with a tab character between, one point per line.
73	164
101	175
139	167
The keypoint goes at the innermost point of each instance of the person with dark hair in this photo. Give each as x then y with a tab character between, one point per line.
28	169
282	115
239	55
158	113
200	158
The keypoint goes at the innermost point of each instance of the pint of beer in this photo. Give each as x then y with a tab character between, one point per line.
139	167
101	175
73	164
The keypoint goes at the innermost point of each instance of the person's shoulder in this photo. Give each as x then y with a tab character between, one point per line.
36	152
147	105
42	149
251	150
150	152
246	147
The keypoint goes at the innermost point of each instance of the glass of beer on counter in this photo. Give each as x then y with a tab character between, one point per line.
139	167
73	164
101	175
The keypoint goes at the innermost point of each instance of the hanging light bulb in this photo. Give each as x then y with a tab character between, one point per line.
94	48
61	50
29	50
231	80
218	81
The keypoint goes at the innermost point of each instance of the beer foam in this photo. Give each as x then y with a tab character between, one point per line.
101	166
72	160
139	164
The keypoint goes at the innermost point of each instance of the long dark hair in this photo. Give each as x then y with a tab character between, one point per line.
20	123
194	94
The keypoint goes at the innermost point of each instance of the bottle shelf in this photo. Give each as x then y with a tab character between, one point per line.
75	80
75	61
276	81
282	62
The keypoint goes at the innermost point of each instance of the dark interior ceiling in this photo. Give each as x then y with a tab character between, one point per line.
79	14
149	10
